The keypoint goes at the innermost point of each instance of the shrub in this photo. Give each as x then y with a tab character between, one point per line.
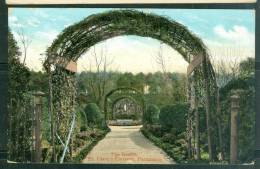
177	153
83	128
172	117
99	135
82	119
155	129
94	115
169	138
151	115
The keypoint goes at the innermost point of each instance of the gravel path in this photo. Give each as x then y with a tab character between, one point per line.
126	145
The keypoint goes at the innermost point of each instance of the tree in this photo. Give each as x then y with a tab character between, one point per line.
98	81
161	61
225	72
38	81
247	67
25	42
19	116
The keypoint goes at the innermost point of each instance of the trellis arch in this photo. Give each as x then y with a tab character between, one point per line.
121	93
137	103
77	39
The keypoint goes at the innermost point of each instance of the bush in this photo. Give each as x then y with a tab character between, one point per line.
169	138
96	135
172	117
151	115
176	152
94	115
82	119
155	129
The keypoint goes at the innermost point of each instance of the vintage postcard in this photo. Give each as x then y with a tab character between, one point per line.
131	86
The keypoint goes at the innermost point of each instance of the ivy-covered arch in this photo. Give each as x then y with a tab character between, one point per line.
128	99
77	39
120	93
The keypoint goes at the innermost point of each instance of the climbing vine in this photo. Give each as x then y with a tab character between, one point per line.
77	39
64	94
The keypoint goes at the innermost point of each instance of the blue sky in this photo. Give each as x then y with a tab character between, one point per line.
221	30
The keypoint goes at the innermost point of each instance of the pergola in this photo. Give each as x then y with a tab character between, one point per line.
77	39
118	94
70	45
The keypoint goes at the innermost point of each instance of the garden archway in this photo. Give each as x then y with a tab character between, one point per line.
126	108
120	93
77	39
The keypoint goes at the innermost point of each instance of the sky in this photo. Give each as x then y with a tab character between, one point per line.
228	34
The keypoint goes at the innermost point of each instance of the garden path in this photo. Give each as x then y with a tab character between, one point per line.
126	145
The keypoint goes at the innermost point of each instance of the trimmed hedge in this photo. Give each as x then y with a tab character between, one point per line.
174	117
94	115
175	152
151	115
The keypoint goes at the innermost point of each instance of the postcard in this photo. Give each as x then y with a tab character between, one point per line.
131	86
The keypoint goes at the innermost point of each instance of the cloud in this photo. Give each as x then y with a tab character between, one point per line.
14	22
47	36
40	13
136	54
34	58
34	22
238	34
13	19
231	45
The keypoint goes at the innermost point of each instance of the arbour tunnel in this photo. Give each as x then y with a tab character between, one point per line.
135	100
75	40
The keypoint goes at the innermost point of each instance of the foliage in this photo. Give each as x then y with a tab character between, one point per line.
246	126
247	67
176	151
94	115
63	100
130	80
124	22
151	115
38	81
88	147
19	106
19	74
70	45
119	95
170	134
246	122
173	117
